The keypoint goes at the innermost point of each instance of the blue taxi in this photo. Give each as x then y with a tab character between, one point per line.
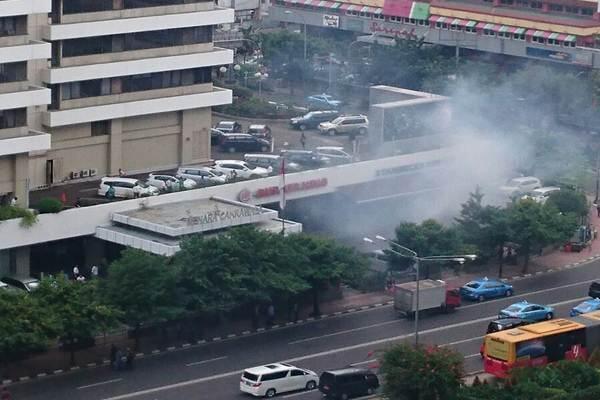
482	289
585	307
529	311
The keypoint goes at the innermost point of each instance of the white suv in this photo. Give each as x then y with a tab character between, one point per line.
125	187
270	380
355	124
240	169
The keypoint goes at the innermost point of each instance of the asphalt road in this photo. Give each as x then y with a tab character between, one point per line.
212	371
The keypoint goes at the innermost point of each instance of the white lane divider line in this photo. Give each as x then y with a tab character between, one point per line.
472	356
205	361
100	383
364	362
287	396
362	328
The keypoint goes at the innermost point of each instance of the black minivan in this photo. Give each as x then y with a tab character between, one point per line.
347	383
236	142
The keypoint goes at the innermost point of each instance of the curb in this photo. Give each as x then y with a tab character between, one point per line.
201	342
554	269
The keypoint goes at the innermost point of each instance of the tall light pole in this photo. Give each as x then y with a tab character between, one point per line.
260	76
415	257
290	12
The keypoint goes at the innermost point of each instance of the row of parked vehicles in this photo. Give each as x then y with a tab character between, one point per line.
272	379
253	166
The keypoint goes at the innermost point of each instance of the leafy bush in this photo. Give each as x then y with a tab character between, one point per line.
12	212
373	281
49	205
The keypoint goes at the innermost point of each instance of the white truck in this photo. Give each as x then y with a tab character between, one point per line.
433	294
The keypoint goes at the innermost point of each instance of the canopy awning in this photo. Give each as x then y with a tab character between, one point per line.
519	31
529	32
570	38
504	28
553	36
561	37
378	11
456	21
406	9
437	18
480	25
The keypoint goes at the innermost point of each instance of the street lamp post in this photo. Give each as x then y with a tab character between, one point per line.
290	12
415	257
260	76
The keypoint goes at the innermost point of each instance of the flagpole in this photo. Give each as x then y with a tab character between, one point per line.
282	192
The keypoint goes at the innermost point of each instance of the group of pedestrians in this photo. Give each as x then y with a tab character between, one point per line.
79	277
120	359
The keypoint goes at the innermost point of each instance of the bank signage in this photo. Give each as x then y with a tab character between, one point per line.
331	21
270	191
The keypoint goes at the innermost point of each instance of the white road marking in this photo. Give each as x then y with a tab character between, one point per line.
363	362
287	396
100	383
472	356
317	355
462	341
308	339
205	361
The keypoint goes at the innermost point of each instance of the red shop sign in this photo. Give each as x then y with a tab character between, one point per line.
291	187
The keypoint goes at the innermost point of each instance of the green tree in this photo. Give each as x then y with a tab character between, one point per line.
76	308
421	373
429	238
143	287
325	262
485	227
569	202
26	326
534	226
243	266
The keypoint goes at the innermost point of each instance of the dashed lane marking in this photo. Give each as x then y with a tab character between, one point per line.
100	383
205	361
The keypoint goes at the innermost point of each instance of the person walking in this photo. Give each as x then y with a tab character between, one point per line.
5	394
94	271
270	315
75	271
113	354
14	200
129	359
598	209
303	141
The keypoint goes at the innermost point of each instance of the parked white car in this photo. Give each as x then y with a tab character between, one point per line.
169	183
241	169
540	195
336	154
203	176
270	380
520	186
127	188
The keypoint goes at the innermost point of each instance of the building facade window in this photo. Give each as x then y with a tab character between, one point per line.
136	41
13	26
100	128
13	72
535	4
519	36
13	118
488	32
86	6
470	29
135	83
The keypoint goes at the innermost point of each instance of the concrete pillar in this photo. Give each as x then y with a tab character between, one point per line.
195	136
22	267
596	16
115	154
21	190
545	7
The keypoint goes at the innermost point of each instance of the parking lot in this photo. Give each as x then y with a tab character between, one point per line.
284	137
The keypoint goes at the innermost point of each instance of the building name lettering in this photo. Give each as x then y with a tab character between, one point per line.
221	216
291	187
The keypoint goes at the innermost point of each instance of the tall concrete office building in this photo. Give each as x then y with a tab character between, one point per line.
88	87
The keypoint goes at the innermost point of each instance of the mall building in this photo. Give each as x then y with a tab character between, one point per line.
88	87
562	31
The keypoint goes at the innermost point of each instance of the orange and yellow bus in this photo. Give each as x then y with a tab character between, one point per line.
541	343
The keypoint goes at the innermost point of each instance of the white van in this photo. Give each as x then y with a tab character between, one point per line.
127	188
270	380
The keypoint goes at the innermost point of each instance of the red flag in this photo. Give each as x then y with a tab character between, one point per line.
282	184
